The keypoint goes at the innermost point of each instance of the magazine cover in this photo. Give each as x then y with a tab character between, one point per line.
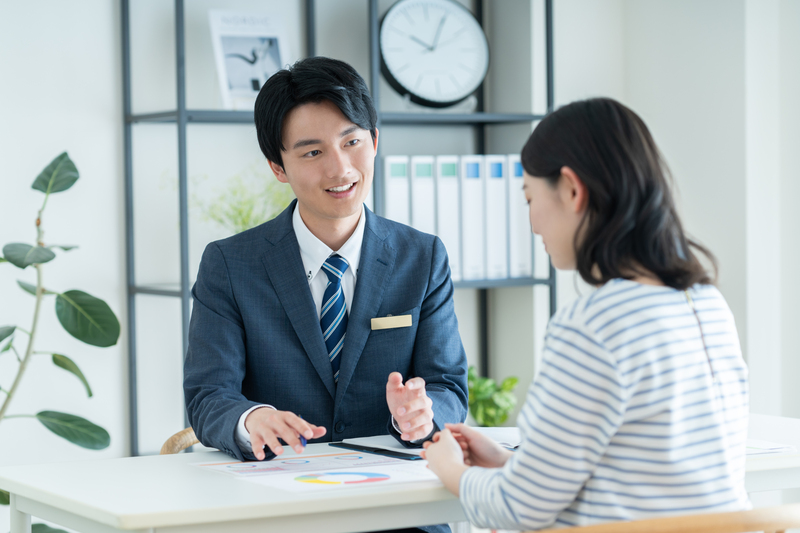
249	48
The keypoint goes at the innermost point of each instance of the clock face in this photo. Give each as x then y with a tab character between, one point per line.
433	50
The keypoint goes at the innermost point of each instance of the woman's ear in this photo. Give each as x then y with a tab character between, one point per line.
573	190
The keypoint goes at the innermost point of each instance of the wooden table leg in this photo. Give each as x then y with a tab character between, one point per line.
20	522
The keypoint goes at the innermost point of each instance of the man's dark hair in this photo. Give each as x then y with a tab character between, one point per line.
310	80
630	221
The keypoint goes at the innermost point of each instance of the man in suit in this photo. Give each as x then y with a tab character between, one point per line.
327	322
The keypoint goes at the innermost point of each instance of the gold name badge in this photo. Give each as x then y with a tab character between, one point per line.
391	322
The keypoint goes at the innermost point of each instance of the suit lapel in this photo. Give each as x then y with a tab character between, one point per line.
285	270
375	268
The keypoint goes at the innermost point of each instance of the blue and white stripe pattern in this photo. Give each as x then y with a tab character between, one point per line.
333	315
625	419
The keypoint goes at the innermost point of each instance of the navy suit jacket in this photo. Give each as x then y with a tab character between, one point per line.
255	338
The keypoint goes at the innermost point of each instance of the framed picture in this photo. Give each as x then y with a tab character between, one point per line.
249	48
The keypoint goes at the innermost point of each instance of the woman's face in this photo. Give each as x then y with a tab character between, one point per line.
555	213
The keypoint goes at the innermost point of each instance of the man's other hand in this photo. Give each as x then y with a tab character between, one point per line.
410	406
267	425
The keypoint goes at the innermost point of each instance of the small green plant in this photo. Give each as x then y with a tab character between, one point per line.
250	199
83	316
489	404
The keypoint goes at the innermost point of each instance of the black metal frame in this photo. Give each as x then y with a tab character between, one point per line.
183	116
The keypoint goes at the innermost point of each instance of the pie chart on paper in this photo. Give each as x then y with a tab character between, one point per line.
341	478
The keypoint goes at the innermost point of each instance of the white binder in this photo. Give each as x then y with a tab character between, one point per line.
423	194
496	197
519	224
448	211
473	229
396	197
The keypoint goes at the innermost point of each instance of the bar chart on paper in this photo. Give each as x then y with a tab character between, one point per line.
327	472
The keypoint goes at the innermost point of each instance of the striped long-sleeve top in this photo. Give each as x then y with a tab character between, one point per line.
626	419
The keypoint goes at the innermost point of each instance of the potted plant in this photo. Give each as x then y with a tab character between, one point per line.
490	404
85	317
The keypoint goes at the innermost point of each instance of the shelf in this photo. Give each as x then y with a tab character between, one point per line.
173	289
208	116
454	118
158	289
497	283
198	116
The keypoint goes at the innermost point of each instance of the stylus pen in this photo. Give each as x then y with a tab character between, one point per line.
302	438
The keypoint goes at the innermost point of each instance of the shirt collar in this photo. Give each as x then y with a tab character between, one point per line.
314	252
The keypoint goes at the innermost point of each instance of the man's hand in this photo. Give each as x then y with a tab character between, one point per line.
267	425
410	406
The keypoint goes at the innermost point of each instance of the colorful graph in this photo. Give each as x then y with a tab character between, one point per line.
348	457
341	478
295	462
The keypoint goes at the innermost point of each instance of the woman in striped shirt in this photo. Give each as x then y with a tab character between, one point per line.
640	407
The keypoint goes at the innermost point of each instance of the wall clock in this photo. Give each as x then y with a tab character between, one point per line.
433	50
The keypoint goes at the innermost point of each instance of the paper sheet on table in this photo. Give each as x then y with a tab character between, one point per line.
306	473
763	447
507	437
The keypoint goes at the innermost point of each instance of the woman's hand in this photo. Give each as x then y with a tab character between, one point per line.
478	450
445	459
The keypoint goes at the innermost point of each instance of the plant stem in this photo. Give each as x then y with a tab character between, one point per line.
19	359
20	416
25	331
29	351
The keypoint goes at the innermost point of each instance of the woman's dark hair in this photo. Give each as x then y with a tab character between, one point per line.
630	225
310	80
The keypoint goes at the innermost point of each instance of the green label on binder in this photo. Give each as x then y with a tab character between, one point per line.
448	170
398	170
424	170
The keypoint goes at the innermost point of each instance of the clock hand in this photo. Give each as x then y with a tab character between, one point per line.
452	37
438	33
415	39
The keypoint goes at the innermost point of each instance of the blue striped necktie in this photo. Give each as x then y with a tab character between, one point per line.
333	315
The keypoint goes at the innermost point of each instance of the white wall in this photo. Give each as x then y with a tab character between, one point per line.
60	90
790	193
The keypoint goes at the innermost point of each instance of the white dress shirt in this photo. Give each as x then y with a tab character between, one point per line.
314	253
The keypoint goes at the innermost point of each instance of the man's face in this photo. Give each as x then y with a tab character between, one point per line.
328	163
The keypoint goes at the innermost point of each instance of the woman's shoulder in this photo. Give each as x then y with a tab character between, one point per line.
621	301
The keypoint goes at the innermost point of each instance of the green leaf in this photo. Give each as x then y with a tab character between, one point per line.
8	345
509	384
23	255
44	528
6	331
69	365
59	175
31	288
5	498
87	318
65	248
27	287
75	429
3	260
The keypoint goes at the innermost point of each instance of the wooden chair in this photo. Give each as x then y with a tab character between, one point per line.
768	519
179	441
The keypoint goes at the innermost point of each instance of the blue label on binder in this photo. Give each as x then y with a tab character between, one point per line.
473	170
517	169
496	170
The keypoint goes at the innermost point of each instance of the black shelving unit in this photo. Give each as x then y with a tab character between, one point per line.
182	117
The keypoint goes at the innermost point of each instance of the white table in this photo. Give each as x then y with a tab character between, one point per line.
160	494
